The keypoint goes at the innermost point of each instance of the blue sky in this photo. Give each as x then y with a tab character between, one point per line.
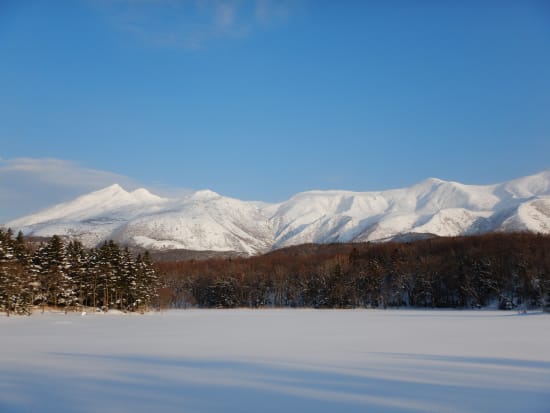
262	99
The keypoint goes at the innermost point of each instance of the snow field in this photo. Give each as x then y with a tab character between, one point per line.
276	360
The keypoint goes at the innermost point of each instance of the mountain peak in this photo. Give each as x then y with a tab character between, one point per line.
205	194
433	180
142	194
429	183
528	186
206	220
113	189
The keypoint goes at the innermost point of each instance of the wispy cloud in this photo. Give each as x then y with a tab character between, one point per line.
28	184
192	24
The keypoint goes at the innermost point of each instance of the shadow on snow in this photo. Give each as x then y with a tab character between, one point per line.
396	383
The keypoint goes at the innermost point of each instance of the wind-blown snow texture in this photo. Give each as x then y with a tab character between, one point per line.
206	220
277	361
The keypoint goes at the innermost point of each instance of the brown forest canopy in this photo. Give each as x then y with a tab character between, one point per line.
507	270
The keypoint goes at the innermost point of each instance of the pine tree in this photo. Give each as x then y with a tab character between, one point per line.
147	283
66	275
8	284
57	287
110	274
76	258
127	279
15	282
92	271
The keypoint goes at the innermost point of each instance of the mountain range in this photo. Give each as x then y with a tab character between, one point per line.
207	221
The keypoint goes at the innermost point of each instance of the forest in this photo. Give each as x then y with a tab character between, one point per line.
504	270
65	275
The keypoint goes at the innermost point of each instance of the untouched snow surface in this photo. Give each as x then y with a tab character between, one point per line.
276	361
206	220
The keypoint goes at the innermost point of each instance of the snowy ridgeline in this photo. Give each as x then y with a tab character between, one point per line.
207	221
277	361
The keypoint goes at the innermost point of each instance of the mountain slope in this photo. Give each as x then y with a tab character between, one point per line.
203	221
206	220
93	217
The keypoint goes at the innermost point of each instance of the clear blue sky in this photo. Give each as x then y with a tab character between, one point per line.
263	99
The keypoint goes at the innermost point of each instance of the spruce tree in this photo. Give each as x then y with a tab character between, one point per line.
57	288
76	258
8	281
15	282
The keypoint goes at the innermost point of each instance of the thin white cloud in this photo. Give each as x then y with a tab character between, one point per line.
225	15
28	184
192	24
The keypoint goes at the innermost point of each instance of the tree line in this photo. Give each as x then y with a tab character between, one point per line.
66	275
505	270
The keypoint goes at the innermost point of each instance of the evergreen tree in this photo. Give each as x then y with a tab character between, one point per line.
108	255
8	280
15	283
128	279
147	283
67	276
57	288
76	258
92	270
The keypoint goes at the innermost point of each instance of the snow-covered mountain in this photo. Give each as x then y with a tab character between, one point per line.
206	220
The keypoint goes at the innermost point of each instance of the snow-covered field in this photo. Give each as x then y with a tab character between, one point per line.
276	361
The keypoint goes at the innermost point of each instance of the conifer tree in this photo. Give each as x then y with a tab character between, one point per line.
147	283
56	286
8	281
128	279
66	275
15	283
76	258
92	270
107	272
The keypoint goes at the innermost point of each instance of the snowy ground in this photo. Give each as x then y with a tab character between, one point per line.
276	361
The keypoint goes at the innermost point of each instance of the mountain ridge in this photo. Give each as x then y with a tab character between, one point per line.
208	221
